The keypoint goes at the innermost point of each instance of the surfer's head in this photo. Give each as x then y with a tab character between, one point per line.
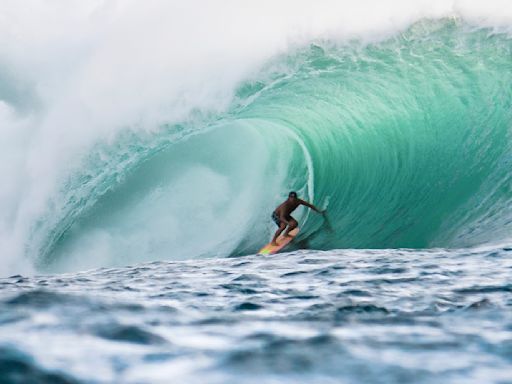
292	195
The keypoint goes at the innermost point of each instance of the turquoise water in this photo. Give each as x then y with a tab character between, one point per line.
407	138
405	142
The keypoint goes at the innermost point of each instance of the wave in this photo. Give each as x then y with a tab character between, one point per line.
403	138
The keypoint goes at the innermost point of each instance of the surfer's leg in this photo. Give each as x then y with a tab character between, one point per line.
282	226
293	225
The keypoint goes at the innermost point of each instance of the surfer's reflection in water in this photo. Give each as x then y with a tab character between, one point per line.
282	215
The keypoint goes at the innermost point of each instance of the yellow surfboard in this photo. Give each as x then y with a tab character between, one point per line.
281	241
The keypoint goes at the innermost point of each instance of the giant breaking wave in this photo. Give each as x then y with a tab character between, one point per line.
404	139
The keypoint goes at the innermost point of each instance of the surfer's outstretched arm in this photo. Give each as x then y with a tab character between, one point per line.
310	206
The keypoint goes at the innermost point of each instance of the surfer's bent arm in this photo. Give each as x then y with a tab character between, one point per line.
310	206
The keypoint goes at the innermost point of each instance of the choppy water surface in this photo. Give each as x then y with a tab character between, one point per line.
386	316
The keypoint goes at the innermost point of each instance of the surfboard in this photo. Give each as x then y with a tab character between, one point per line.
281	241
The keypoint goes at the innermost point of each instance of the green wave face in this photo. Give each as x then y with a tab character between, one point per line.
409	139
405	142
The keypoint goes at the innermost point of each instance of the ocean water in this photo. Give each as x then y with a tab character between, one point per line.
143	148
353	316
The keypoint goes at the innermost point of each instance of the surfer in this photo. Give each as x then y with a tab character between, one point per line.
282	215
